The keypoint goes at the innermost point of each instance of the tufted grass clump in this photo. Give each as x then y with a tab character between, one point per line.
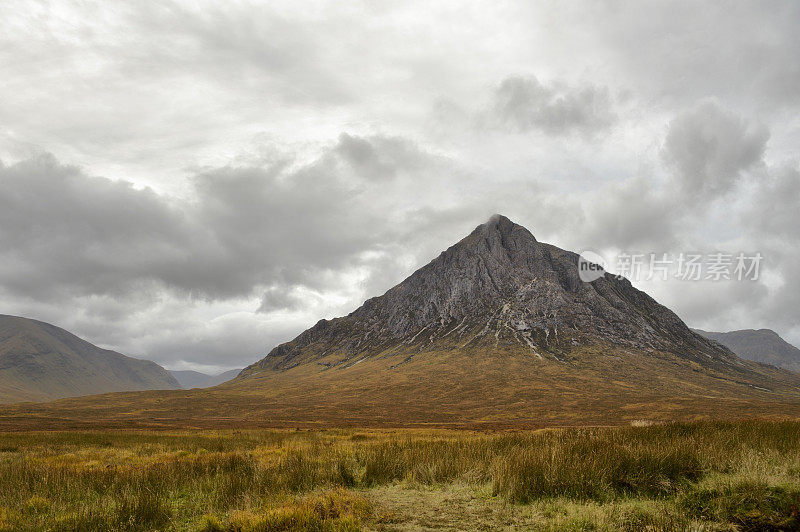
590	465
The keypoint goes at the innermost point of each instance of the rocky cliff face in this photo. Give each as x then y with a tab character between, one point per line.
497	289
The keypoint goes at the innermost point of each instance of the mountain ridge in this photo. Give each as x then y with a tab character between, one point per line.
189	379
759	345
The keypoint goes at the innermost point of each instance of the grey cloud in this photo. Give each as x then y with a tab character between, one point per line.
633	215
136	90
726	305
679	51
775	203
525	104
64	232
230	341
379	157
774	227
239	46
140	93
143	271
709	148
281	298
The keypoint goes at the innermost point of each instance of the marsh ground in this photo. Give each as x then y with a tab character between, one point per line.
707	475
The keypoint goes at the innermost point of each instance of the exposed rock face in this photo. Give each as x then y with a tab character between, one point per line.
498	288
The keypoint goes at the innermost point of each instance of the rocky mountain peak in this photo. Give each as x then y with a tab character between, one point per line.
500	226
500	238
499	289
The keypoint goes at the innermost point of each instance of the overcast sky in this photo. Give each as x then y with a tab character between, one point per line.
197	182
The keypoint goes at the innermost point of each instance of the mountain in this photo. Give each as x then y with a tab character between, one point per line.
194	379
39	362
501	326
762	345
501	290
499	330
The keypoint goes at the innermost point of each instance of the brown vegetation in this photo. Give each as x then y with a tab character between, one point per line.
675	476
599	386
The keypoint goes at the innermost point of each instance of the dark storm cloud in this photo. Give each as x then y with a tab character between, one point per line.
524	104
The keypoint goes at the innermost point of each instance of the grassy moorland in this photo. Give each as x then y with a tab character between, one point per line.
707	475
452	389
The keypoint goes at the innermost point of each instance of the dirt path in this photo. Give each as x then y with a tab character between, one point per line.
448	508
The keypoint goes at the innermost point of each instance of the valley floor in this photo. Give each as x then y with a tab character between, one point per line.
707	475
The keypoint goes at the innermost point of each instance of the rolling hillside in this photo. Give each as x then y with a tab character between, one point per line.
40	362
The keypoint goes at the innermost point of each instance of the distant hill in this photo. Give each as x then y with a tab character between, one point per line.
39	362
762	345
195	379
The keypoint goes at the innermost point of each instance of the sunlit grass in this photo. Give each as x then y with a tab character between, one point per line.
744	474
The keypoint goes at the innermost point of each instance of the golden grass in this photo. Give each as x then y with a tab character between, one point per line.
673	476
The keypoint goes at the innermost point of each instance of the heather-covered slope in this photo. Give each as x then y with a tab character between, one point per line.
39	362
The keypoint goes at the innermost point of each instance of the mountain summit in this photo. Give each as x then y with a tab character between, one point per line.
498	289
